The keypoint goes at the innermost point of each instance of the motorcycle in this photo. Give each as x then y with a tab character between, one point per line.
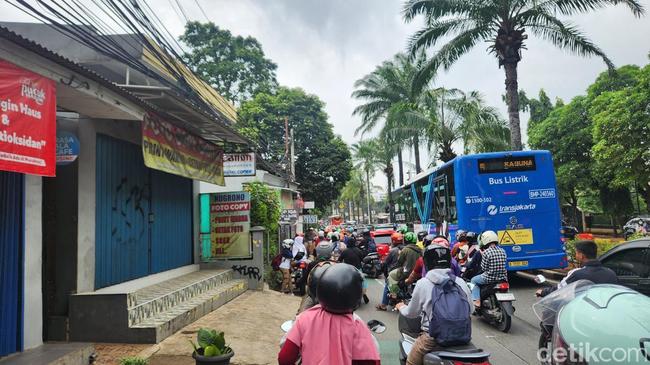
547	309
409	329
371	265
496	305
299	275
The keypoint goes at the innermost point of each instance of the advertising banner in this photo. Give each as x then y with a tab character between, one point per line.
27	121
230	225
288	215
169	148
239	164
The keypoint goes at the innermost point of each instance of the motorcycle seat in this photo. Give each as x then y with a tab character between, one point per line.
462	354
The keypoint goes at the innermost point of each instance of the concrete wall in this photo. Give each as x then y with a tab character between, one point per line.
88	130
33	332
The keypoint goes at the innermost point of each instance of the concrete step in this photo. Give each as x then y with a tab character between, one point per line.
148	302
164	324
72	353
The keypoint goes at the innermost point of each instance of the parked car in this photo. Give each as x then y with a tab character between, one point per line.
636	225
631	263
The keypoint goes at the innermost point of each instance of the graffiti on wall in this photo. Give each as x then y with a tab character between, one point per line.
130	211
253	272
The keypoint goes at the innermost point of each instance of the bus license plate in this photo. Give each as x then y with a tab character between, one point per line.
518	263
505	297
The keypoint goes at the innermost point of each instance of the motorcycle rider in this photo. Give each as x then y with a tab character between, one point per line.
329	333
405	263
367	242
421	236
352	255
437	262
493	265
591	269
285	265
418	269
459	251
389	265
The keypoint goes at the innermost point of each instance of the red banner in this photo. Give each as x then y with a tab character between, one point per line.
27	121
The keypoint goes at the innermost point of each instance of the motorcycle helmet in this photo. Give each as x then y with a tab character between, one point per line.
486	238
436	257
334	237
324	250
441	241
402	229
421	235
339	289
428	239
396	237
472	237
410	237
321	234
288	243
366	232
314	277
461	235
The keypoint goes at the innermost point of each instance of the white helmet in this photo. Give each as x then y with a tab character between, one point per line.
487	238
288	243
321	234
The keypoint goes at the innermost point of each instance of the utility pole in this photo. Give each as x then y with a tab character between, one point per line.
292	161
286	151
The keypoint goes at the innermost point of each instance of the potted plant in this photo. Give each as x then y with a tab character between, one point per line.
211	348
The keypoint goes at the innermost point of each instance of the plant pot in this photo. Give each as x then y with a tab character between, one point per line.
213	360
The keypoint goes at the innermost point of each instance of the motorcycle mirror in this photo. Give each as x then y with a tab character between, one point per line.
540	279
286	326
376	326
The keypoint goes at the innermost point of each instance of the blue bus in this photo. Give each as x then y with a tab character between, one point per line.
511	193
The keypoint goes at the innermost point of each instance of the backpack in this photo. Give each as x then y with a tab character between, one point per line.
275	263
450	323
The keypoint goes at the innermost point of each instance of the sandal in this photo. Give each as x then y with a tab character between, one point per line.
381	307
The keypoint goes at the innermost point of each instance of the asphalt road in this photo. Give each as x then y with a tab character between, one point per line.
519	346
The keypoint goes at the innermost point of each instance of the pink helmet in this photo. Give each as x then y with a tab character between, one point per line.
440	241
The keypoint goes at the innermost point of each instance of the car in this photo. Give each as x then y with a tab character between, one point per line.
631	263
377	227
635	225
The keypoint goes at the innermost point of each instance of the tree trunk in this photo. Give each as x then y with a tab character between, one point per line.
416	152
512	98
368	196
400	167
645	194
391	208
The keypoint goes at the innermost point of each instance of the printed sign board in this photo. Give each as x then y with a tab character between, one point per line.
516	237
289	215
230	225
310	219
27	121
239	164
309	205
169	148
67	148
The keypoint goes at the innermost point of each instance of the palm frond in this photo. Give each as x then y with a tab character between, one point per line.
572	7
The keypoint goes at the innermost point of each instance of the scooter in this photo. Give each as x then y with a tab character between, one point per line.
409	329
496	305
371	265
298	275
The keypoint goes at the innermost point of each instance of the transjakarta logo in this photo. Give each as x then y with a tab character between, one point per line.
478	199
493	210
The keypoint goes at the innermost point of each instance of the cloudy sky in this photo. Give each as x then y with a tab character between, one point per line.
323	46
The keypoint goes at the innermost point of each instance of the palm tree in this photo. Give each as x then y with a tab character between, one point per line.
386	149
503	24
387	94
353	193
364	153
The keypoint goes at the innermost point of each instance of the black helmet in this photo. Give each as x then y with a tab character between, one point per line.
314	277
436	257
339	289
365	232
472	237
427	240
324	250
421	235
334	237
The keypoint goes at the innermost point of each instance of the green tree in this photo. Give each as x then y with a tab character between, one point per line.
365	156
319	153
464	24
354	193
621	136
235	66
387	95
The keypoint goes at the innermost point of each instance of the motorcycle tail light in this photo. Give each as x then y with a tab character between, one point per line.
562	354
303	265
504	286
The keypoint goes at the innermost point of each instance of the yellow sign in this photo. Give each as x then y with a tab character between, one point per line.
516	237
518	263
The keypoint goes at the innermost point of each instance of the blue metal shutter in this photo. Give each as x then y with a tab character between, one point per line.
11	261
122	210
171	231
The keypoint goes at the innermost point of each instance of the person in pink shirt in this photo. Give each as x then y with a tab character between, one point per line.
330	333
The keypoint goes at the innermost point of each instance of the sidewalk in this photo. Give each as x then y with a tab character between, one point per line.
251	323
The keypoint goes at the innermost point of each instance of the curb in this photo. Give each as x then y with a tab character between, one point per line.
149	352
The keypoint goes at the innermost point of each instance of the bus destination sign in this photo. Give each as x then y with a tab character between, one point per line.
506	164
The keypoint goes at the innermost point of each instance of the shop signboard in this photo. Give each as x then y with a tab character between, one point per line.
172	149
27	121
67	148
289	215
239	164
310	219
230	225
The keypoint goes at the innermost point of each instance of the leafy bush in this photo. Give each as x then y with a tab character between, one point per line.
636	236
273	278
210	343
133	360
